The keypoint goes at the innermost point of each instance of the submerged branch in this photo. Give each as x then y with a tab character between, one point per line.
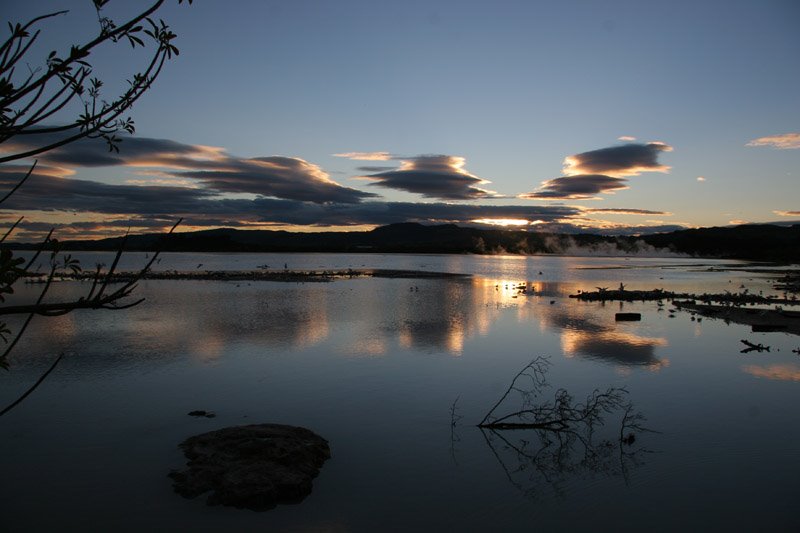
549	440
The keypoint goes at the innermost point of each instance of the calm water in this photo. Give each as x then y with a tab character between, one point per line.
374	366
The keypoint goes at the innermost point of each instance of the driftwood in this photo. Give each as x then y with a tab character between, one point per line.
549	441
563	414
753	347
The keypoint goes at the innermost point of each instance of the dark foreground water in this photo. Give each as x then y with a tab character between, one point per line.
374	366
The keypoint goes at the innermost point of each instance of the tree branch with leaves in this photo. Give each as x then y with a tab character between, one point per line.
33	104
29	100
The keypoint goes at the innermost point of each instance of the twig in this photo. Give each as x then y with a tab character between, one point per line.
33	387
11	229
539	367
93	301
17	186
30	316
454	417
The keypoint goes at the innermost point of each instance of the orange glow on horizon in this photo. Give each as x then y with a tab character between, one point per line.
507	221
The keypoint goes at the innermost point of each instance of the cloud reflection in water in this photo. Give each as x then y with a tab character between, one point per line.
353	318
588	337
785	372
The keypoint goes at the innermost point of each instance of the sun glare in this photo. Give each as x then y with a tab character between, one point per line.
505	221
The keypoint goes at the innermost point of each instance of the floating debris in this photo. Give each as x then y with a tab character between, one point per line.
201	413
603	294
753	347
760	320
628	317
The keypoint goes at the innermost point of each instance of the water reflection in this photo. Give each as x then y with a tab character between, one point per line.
780	372
547	442
281	352
359	317
584	334
618	347
534	461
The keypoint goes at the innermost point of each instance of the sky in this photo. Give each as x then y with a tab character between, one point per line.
614	117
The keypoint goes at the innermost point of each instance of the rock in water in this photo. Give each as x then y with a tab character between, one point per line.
254	467
207	414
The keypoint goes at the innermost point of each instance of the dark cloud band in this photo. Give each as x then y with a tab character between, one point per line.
44	192
627	160
276	176
433	176
626	211
581	187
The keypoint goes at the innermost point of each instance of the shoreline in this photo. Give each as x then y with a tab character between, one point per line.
727	298
319	276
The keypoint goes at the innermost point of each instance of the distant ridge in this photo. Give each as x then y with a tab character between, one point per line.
748	241
756	242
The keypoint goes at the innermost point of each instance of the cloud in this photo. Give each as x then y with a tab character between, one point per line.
783	141
375	169
98	228
134	151
627	160
163	181
392	212
578	224
787	213
43	192
626	138
366	156
276	176
433	176
625	211
41	169
290	178
701	178
601	171
167	179
110	208
579	187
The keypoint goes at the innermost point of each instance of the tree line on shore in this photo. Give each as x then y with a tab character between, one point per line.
755	242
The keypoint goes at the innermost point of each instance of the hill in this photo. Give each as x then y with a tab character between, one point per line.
755	242
751	241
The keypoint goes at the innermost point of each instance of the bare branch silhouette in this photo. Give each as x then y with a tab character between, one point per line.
33	387
546	441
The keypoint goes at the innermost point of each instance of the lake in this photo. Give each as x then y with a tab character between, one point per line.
376	366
